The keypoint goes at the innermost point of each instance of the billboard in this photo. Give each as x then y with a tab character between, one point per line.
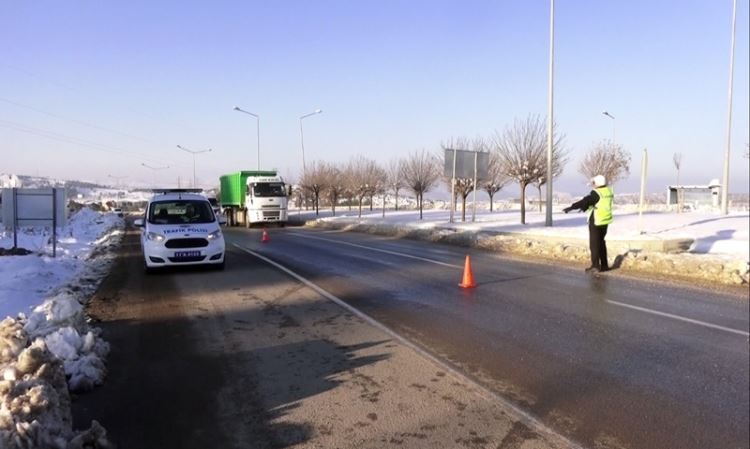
465	164
33	207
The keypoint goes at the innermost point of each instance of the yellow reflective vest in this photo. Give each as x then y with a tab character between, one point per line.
602	210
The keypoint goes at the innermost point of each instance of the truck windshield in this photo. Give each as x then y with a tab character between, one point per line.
180	212
268	189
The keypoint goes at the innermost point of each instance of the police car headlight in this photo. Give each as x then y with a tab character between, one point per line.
214	235
154	237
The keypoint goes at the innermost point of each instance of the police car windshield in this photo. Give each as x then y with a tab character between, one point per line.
180	212
268	189
213	202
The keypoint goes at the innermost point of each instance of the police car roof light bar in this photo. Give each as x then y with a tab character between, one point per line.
176	190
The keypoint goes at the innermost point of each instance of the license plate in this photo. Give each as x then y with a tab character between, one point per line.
187	253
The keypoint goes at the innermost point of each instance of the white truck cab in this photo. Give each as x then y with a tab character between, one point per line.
180	228
266	200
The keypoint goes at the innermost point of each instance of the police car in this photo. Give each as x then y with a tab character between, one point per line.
180	228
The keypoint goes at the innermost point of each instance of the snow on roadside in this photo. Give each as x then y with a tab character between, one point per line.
46	346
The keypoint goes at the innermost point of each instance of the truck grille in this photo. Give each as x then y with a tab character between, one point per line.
186	243
271	214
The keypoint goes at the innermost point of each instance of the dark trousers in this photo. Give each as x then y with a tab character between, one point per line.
598	246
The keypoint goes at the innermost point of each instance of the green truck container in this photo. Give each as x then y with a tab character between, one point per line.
267	195
234	187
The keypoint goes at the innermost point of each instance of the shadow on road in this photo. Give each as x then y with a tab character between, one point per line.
184	374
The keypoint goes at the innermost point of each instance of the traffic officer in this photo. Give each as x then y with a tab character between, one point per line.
598	205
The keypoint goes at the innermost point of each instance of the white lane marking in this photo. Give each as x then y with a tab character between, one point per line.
520	414
680	318
393	253
616	303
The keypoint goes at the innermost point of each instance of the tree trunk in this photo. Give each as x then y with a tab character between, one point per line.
317	203
383	205
370	202
463	208
396	200
360	207
540	197
523	203
333	208
419	200
491	196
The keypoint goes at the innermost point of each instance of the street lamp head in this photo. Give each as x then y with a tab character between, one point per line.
237	108
318	111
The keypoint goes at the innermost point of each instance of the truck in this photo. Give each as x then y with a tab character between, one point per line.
253	196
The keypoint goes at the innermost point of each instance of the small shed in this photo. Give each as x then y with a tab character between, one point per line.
695	195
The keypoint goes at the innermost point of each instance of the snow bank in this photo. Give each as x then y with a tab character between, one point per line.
48	349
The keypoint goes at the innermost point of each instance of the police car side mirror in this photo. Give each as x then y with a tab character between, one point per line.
222	220
138	222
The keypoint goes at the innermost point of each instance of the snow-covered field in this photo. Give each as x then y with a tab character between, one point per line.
46	346
712	232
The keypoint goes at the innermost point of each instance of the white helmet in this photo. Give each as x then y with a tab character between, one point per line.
599	181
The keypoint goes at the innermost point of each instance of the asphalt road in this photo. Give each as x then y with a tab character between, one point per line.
608	361
251	357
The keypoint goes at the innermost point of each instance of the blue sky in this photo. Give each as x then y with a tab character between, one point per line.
91	89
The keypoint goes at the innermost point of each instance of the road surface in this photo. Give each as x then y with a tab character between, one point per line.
606	362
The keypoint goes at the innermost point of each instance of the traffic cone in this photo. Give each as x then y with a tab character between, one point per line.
264	238
468	281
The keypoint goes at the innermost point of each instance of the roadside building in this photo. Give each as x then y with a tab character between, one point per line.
694	196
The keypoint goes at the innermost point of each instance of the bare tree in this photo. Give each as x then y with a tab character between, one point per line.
336	185
520	149
394	180
349	182
377	178
677	160
496	177
608	159
315	181
366	177
420	172
559	160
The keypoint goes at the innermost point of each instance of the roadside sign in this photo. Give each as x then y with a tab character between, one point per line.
465	164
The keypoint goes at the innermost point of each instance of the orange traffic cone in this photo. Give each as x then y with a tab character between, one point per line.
264	238
468	281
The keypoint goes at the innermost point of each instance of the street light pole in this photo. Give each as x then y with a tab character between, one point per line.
613	124
257	118
154	169
302	136
725	186
550	111
193	152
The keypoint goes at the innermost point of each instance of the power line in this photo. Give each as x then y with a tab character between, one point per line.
79	122
74	140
